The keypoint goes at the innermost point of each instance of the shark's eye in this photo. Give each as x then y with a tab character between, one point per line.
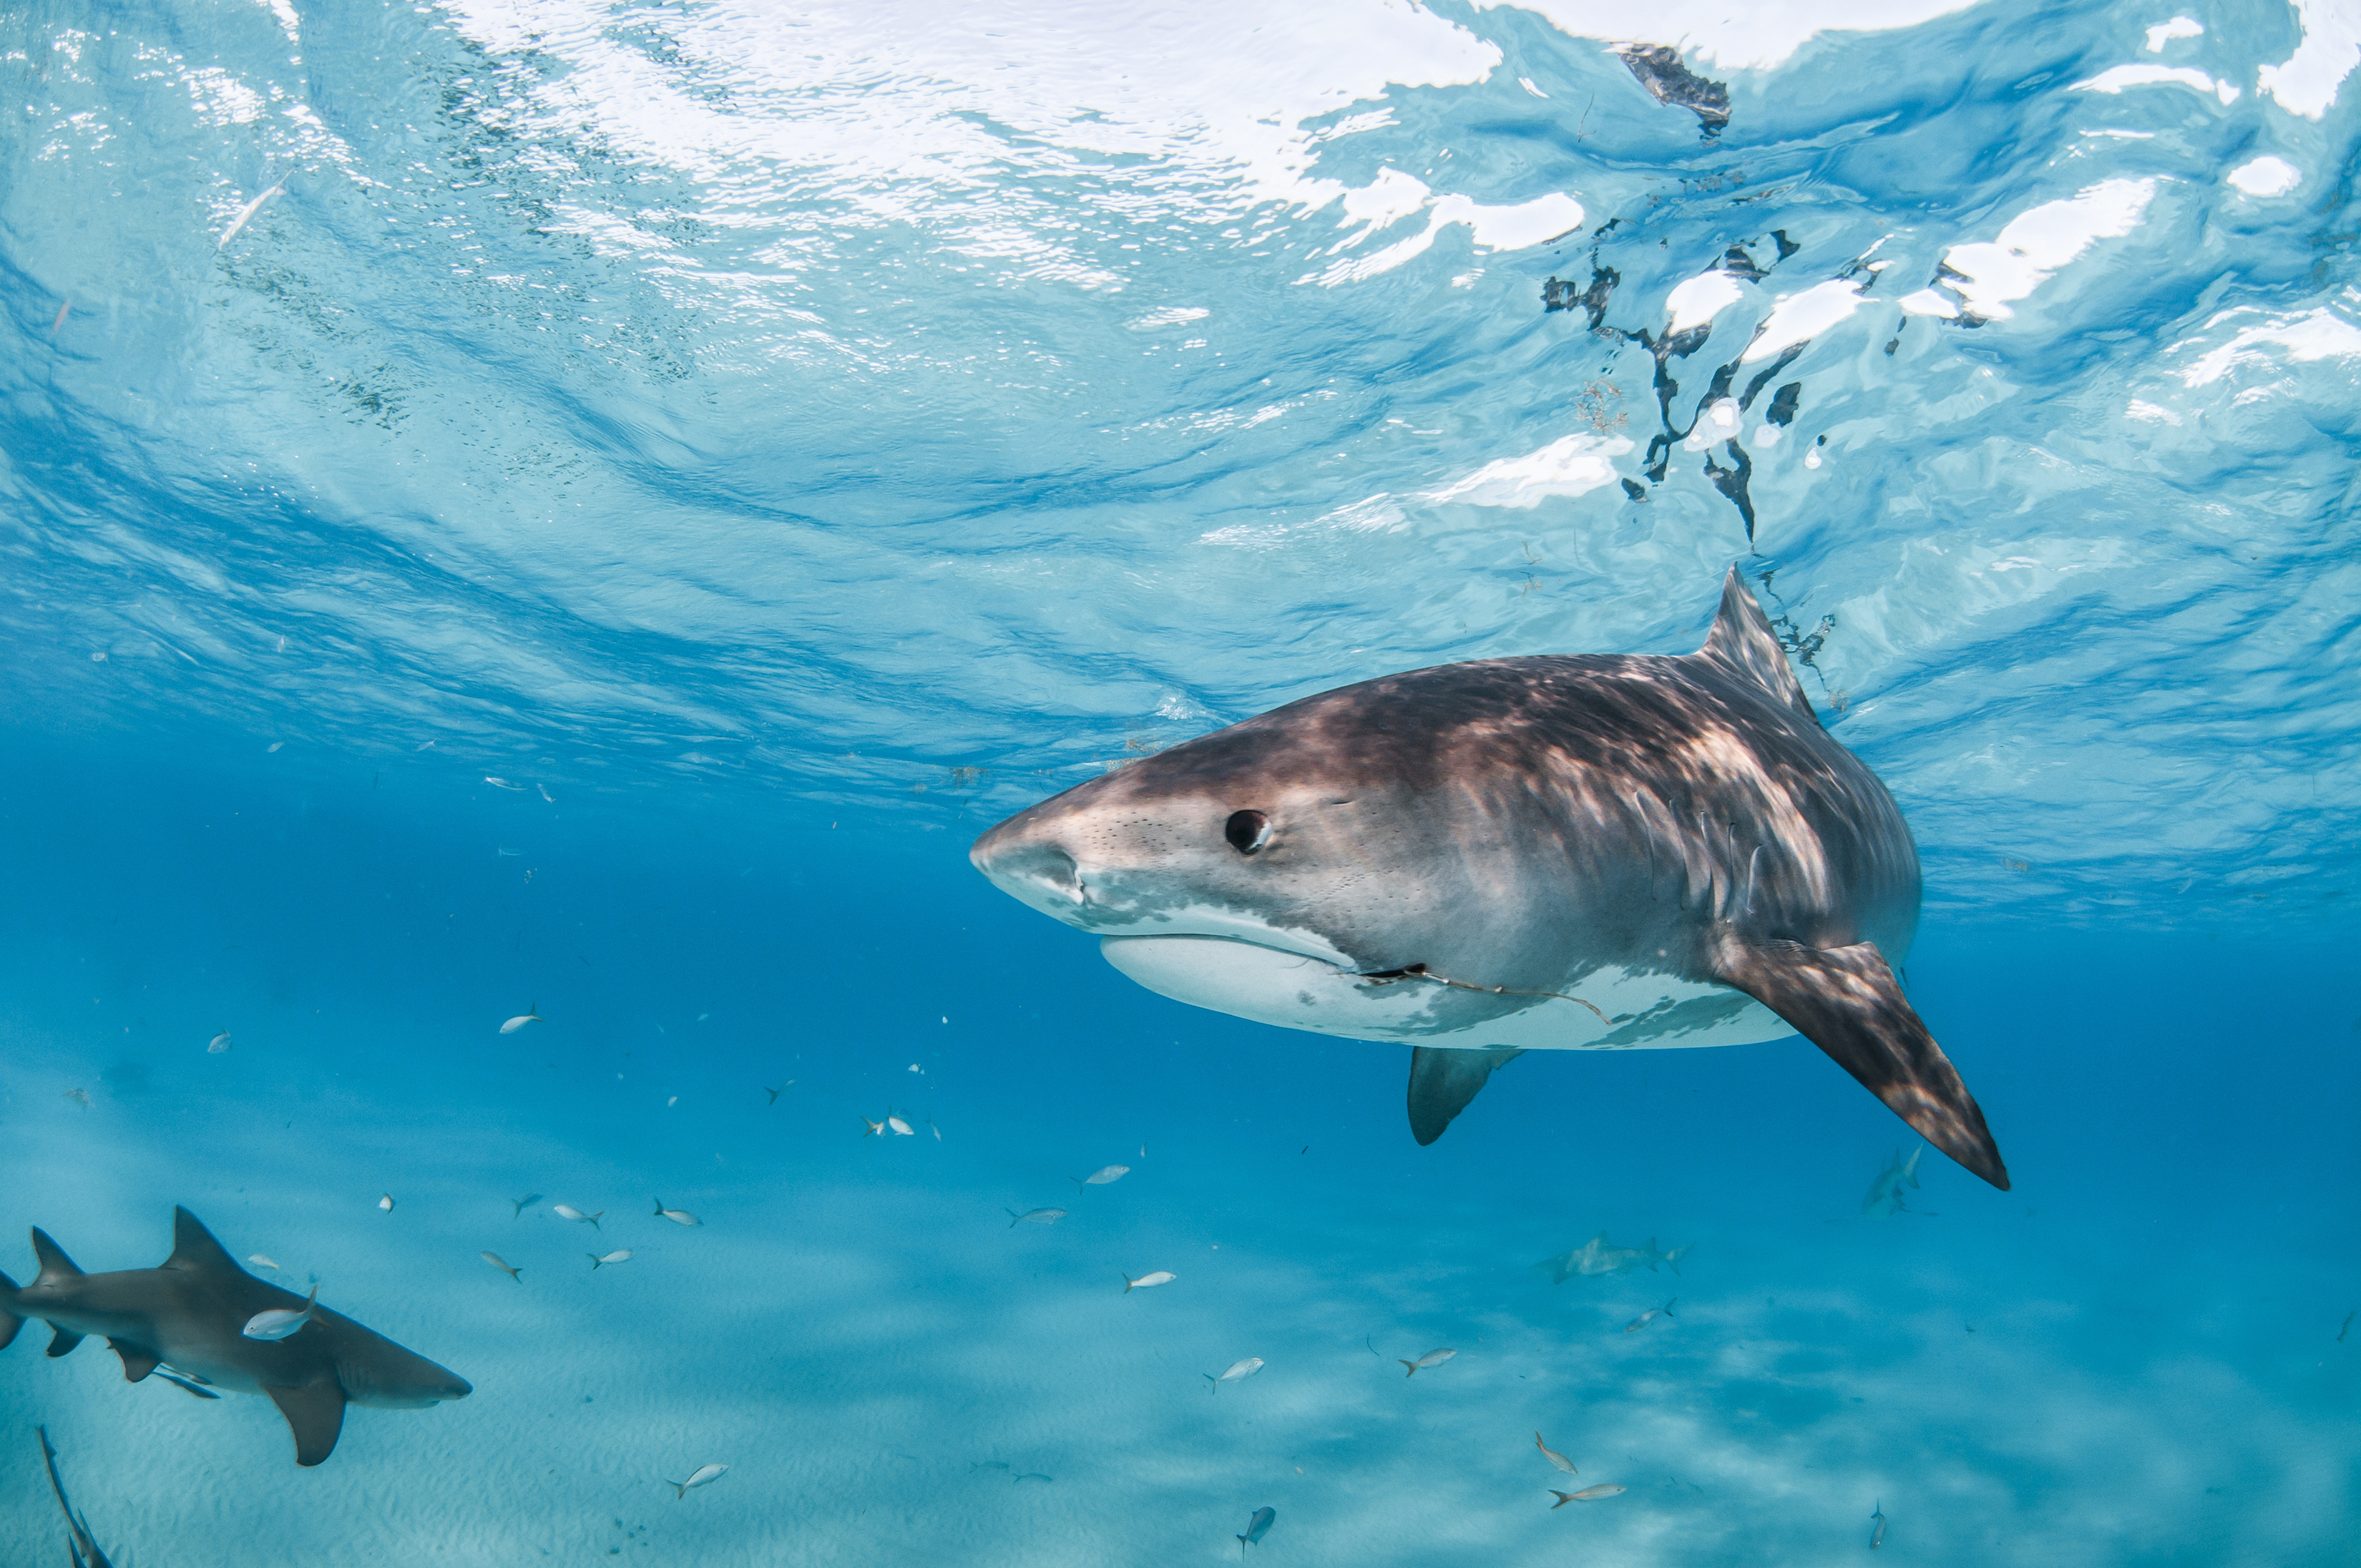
1247	831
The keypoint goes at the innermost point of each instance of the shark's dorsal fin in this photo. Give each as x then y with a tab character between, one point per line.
1741	638
55	1263
137	1362
315	1415
194	1251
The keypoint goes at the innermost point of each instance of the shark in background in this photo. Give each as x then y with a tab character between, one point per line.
192	1313
1885	1192
1598	1256
1592	852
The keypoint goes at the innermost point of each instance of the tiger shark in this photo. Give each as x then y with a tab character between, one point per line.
1562	853
190	1314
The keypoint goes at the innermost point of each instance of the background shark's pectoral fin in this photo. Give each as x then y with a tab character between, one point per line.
1846	1002
1443	1082
137	1362
62	1342
316	1414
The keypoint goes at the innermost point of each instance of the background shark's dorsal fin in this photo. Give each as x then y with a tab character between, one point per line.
55	1263
1741	638
194	1249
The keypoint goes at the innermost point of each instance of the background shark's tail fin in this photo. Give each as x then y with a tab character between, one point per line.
9	1322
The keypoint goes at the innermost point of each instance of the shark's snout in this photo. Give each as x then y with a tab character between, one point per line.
1033	867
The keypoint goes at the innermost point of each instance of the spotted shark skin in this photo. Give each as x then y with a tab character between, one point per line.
1551	852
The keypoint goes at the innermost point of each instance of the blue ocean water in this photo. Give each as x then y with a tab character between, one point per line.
588	510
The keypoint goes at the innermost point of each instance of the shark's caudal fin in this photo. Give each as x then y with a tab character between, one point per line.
316	1416
1742	639
1442	1082
9	1322
1846	1002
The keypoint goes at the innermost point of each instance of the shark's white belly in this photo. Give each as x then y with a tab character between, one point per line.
1297	992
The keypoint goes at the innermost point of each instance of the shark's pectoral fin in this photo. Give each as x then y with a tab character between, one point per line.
137	1362
1442	1082
316	1414
1846	1002
62	1342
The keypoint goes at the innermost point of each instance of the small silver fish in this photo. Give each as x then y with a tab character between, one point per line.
1034	1217
1645	1319
936	1131
1102	1177
521	1202
1552	1455
1239	1371
621	1255
218	1044
1432	1358
677	1216
900	1126
386	1203
1588	1495
79	1096
1256	1528
1877	1534
546	794
568	1211
876	1129
246	213
530	1015
774	1093
497	1261
279	1322
178	1381
1161	1276
259	1261
501	783
705	1476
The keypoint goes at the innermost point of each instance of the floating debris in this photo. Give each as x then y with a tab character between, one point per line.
244	216
1432	1358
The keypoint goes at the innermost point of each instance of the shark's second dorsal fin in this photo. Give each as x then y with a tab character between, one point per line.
1741	638
194	1251
55	1263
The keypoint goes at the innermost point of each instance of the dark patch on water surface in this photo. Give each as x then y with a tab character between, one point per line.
1558	294
1668	79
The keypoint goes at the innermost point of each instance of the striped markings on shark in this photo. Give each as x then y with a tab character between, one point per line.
1599	1256
194	1311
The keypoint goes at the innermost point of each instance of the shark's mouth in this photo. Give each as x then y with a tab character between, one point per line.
1299	991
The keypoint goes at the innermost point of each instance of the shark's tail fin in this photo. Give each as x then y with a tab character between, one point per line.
9	1322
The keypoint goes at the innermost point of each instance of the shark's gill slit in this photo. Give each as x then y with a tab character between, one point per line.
1420	972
